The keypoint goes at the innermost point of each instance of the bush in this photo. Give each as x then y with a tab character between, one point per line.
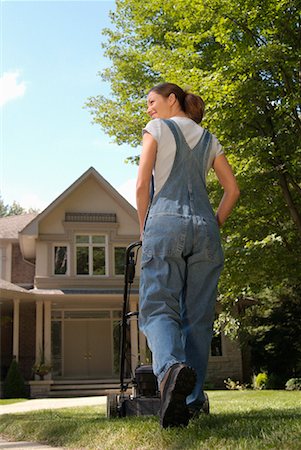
14	385
209	386
234	385
260	381
293	384
275	381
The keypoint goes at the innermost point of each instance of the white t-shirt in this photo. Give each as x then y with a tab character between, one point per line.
166	149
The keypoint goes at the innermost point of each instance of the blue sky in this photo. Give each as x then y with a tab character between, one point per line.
50	56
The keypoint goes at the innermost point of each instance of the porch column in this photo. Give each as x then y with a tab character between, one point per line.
39	330
16	329
134	337
47	331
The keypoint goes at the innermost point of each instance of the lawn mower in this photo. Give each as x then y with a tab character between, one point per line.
140	396
144	398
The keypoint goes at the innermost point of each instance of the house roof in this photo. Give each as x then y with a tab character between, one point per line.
32	228
81	292
10	226
7	286
10	291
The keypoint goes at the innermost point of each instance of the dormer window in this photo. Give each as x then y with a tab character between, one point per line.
91	255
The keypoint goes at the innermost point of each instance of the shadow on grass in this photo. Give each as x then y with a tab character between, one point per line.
265	427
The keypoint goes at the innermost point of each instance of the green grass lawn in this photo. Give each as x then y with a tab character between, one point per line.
9	401
239	420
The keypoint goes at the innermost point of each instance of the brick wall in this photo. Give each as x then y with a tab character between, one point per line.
22	272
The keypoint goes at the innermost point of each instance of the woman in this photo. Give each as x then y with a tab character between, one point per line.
181	251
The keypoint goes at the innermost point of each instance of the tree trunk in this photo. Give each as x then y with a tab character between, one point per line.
289	201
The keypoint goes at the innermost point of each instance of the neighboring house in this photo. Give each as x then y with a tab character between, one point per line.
61	291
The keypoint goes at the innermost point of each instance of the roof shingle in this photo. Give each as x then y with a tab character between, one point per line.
11	225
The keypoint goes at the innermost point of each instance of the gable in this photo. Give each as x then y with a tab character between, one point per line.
89	197
90	193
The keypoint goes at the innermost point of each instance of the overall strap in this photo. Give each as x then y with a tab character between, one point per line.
200	151
176	131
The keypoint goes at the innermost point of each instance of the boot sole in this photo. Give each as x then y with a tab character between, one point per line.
174	411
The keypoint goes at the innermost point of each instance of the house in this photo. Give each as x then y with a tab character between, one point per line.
61	290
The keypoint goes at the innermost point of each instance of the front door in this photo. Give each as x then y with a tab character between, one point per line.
87	348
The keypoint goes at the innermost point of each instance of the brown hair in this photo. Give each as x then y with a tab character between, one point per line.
193	105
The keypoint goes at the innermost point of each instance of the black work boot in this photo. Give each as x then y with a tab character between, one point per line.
178	382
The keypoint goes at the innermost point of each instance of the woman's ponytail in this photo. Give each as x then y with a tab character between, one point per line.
193	105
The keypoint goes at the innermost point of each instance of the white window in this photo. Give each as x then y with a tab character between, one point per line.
90	255
60	260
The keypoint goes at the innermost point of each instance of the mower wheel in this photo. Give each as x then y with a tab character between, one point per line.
205	406
112	406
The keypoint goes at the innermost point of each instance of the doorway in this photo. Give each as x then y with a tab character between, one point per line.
87	348
85	344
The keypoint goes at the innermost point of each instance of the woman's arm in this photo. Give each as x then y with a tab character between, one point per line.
231	190
146	165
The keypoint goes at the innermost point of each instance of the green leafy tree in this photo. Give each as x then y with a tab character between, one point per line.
3	208
273	332
244	59
14	209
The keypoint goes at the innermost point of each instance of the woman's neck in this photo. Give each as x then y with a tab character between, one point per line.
177	112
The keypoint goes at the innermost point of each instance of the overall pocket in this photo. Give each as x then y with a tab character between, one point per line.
165	234
213	241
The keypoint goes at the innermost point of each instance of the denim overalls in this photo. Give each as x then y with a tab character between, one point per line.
181	263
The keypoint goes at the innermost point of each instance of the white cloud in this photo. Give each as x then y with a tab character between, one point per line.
128	191
10	87
30	200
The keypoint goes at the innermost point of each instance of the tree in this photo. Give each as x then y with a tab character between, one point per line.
3	208
273	333
14	385
13	210
245	61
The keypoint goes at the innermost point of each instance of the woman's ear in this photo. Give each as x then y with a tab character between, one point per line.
172	99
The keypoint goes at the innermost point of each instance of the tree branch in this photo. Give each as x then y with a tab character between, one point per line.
294	184
289	201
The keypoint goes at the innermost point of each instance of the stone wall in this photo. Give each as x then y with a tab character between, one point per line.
229	365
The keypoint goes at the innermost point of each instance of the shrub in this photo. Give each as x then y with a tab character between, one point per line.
293	384
275	381
260	381
234	385
14	385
